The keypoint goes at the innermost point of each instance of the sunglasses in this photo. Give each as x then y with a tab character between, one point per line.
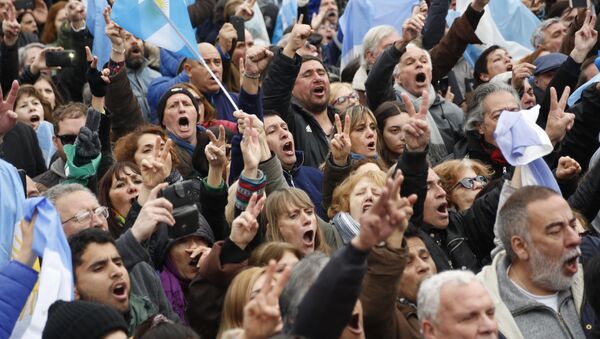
469	183
67	139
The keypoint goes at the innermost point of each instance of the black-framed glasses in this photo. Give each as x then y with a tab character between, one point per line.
84	217
469	183
67	139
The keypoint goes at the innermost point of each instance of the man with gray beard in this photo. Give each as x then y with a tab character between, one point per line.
537	282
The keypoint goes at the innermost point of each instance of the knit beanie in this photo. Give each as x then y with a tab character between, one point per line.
82	319
160	109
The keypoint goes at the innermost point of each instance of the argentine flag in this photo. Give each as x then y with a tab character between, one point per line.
56	276
362	15
165	23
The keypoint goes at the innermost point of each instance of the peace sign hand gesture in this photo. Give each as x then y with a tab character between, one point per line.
215	151
559	122
261	314
245	226
155	168
341	145
416	131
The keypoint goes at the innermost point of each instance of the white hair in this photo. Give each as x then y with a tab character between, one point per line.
428	298
397	67
537	38
372	39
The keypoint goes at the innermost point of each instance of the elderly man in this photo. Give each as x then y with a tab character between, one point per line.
537	283
297	88
548	35
375	42
416	71
454	304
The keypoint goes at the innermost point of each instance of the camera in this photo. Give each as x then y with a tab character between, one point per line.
184	196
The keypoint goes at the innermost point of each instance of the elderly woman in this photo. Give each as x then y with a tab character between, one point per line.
342	96
352	199
462	180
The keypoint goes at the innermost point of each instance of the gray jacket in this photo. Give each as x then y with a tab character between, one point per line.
521	317
140	79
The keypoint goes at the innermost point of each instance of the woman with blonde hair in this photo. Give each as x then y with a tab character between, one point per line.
462	180
352	199
342	96
291	218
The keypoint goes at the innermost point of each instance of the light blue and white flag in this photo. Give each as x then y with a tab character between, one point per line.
95	22
56	276
524	143
362	15
507	23
170	29
12	197
287	12
165	23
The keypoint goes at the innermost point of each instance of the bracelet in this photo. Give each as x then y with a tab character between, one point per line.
251	76
122	51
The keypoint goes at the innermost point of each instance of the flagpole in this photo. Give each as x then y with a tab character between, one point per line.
196	53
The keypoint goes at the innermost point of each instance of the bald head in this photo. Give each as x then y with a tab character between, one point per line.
198	74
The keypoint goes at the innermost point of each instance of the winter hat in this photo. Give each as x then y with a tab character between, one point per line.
160	109
82	319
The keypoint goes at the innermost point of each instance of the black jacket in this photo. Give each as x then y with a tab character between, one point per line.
308	134
468	240
20	147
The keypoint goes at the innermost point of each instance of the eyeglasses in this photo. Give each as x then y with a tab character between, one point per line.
67	139
469	183
84	217
343	99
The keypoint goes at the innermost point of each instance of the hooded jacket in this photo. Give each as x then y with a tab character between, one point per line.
521	317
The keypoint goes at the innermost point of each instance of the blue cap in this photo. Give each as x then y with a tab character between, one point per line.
548	63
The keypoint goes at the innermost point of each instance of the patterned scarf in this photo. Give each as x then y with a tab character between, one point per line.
346	225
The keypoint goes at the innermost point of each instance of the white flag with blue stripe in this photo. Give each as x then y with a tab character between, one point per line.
508	24
361	15
145	20
56	276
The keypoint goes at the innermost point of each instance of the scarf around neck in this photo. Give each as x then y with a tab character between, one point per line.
172	284
346	225
437	149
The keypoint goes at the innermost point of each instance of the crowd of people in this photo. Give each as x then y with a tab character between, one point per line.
383	198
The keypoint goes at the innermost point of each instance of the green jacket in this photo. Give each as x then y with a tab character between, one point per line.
140	309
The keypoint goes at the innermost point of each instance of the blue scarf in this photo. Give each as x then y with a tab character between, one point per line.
184	144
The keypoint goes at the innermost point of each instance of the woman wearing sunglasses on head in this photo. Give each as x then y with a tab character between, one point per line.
462	180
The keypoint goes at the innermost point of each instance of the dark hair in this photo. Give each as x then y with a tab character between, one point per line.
158	326
481	64
347	74
79	242
307	58
127	145
387	110
412	232
104	185
30	91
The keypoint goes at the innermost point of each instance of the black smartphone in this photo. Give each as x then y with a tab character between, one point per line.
579	3
24	4
238	24
64	58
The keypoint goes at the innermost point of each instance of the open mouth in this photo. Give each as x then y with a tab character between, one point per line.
34	118
509	67
308	237
371	145
194	261
354	324
443	209
319	90
288	148
571	265
120	290
184	122
420	78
